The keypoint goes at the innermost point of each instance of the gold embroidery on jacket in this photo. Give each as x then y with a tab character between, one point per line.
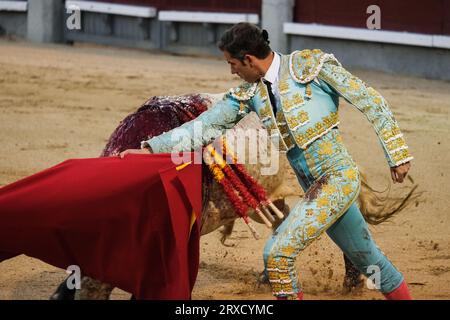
320	128
401	155
244	92
297	120
396	144
283	86
297	101
266	112
388	134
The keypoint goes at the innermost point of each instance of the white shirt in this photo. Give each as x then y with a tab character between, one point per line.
272	76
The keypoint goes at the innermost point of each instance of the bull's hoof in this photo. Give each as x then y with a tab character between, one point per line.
352	284
262	284
262	279
63	292
226	233
223	241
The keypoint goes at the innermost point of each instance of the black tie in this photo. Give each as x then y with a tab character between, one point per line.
273	102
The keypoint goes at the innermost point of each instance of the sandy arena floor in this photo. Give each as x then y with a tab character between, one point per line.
61	102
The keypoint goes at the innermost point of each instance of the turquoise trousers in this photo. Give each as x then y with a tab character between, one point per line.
331	182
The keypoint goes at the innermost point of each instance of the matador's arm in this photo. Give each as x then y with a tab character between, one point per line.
202	130
373	105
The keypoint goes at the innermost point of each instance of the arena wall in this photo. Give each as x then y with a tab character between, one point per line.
414	39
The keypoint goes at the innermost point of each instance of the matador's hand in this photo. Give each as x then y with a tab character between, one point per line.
399	173
134	151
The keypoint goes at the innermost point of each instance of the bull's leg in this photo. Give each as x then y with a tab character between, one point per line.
352	279
63	292
92	289
226	232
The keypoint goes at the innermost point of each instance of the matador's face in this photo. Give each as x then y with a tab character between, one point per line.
245	69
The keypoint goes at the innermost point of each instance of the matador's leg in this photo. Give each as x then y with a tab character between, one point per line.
352	235
353	278
326	201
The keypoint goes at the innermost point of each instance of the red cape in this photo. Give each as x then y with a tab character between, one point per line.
125	222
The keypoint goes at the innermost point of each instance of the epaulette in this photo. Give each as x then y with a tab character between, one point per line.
244	92
305	65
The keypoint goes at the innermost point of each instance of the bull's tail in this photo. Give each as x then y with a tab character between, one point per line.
379	206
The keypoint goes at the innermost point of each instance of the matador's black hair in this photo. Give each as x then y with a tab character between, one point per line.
245	38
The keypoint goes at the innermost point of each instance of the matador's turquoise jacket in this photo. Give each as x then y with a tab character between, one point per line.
310	84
